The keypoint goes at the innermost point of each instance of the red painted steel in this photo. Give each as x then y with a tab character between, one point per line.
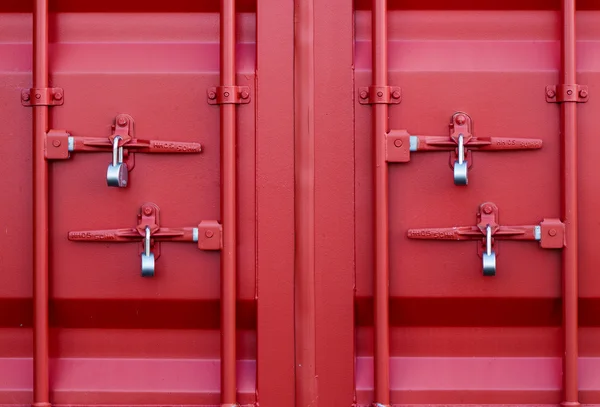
569	210
336	282
41	391
304	208
381	270
229	256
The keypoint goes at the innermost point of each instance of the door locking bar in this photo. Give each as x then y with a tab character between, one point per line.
550	233
460	143
121	143
148	232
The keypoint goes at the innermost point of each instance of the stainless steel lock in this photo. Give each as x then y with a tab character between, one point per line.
117	174
147	256
461	166
489	257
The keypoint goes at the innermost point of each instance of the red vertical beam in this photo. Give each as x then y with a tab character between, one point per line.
228	210
381	278
275	202
41	393
334	200
570	266
304	121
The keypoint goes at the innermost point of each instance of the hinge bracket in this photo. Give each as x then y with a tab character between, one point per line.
221	95
567	93
379	95
42	97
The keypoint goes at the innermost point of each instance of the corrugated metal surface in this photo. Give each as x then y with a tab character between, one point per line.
304	254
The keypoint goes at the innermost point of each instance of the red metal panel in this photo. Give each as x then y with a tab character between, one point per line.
349	264
275	203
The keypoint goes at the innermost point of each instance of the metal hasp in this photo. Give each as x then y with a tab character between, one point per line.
148	232
550	233
460	143
122	144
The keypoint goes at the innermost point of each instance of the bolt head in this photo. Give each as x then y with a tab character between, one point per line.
25	96
147	210
396	94
380	94
58	96
398	143
583	93
552	232
56	143
550	93
212	95
363	94
244	94
487	209
209	233
122	122
461	119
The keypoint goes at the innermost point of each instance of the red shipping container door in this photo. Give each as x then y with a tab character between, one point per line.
299	203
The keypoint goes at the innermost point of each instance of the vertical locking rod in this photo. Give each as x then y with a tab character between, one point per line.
228	209
381	277
569	206
41	391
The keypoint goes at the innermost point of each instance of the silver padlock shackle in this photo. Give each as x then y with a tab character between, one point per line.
489	257
148	261
117	152
488	240
147	241
461	148
461	166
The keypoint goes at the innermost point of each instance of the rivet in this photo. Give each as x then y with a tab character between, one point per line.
56	143
226	94
147	210
38	95
122	121
380	94
460	119
398	143
209	233
569	92
487	209
552	232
